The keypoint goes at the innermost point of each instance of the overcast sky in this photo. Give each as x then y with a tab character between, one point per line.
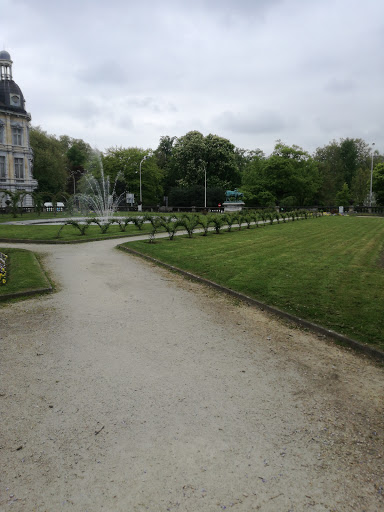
124	73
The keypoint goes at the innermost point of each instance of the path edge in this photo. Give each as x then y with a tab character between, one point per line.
345	340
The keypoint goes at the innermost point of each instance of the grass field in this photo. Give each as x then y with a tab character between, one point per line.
23	272
329	270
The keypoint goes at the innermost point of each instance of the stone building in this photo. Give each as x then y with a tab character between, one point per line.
16	155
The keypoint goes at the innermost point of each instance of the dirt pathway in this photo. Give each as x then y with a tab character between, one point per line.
132	389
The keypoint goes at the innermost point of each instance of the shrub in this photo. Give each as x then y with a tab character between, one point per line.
229	219
247	218
138	221
204	222
217	220
104	226
189	222
82	227
123	223
170	225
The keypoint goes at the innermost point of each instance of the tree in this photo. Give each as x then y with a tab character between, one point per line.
253	180
189	160
163	154
221	163
341	162
164	151
288	175
49	161
194	158
378	183
360	186
77	153
194	155
343	197
126	162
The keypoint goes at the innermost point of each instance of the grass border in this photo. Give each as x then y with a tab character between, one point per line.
59	242
31	291
345	340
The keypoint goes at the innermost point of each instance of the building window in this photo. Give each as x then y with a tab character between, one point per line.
19	168
3	171
1	133
17	135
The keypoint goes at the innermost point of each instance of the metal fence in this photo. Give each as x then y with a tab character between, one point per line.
375	210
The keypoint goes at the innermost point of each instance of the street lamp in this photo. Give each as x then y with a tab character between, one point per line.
370	188
144	158
205	186
203	165
72	175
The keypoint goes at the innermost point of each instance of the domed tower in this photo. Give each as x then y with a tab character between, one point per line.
16	156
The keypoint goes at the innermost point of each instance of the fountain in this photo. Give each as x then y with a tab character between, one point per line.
99	199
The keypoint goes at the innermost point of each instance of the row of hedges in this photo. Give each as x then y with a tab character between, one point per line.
192	221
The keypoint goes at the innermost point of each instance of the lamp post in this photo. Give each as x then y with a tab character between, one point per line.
203	164
144	158
370	188
205	186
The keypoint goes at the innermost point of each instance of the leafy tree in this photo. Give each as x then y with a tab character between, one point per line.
221	163
253	180
360	186
163	154
189	159
94	163
289	172
164	151
49	161
341	162
378	183
126	163
343	197
77	153
194	155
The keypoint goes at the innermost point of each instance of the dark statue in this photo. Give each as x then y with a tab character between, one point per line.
233	195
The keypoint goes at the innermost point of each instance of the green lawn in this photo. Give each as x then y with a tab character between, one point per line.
23	272
329	270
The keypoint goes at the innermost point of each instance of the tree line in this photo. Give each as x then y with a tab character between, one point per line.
334	175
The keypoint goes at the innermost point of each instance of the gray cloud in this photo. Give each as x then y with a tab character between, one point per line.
252	122
124	72
340	86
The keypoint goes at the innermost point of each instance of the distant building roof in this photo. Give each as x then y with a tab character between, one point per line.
9	89
4	55
11	97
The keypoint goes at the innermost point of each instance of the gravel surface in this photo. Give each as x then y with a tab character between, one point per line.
133	389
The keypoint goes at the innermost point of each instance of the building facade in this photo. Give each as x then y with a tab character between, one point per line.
16	155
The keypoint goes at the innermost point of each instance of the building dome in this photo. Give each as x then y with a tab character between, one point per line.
11	97
4	55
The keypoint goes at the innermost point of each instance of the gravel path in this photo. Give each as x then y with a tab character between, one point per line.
132	389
